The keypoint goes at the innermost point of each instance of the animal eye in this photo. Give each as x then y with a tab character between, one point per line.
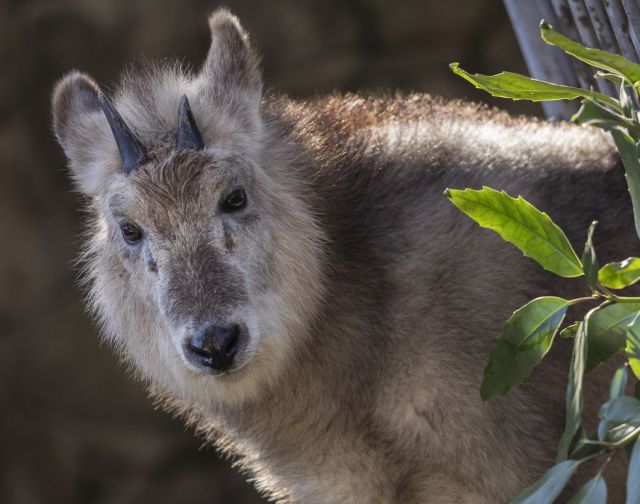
237	200
131	233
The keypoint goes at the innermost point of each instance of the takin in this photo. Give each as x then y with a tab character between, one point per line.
288	276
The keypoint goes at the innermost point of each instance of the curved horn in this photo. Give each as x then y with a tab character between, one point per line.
131	150
189	136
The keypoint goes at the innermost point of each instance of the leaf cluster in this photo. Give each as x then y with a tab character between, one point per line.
612	325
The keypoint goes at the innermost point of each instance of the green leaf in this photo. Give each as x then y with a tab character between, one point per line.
575	400
591	113
618	417
613	431
625	101
629	153
613	63
589	259
616	79
570	331
525	340
618	383
621	409
607	332
519	87
618	275
633	476
547	488
519	222
593	491
632	348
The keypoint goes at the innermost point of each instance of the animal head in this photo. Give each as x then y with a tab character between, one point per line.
203	256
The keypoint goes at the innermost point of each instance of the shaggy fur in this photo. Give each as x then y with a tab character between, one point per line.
371	303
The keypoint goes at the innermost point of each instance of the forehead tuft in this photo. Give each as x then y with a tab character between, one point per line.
175	186
175	175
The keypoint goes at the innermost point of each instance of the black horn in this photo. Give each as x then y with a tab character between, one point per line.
189	136
131	150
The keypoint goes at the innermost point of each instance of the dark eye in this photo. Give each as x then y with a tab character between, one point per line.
237	200
131	233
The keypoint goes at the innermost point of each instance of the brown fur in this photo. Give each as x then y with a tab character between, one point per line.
372	302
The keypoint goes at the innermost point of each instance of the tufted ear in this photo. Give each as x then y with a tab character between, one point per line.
80	127
231	69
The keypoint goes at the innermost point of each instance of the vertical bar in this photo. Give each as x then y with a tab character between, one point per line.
601	27
567	27
544	62
606	39
588	37
633	15
583	23
620	25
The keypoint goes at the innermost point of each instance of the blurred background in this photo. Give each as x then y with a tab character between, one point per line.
74	427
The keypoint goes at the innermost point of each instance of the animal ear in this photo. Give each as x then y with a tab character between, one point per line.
231	67
79	126
74	99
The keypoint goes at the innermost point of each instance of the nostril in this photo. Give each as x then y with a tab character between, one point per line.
214	346
231	345
199	351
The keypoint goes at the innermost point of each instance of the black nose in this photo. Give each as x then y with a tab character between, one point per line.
214	346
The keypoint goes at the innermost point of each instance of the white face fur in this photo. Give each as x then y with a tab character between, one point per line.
194	246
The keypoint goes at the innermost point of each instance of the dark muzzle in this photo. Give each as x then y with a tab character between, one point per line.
214	346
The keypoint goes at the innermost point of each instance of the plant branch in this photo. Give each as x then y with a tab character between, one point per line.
617	444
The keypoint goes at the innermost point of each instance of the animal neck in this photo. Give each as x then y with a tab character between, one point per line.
323	400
